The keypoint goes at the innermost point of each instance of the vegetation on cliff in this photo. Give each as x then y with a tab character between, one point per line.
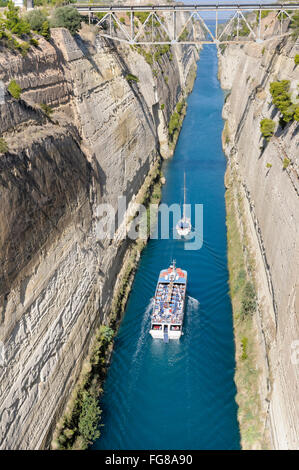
3	145
281	97
14	26
176	120
66	17
295	25
14	89
282	100
242	285
267	127
131	78
80	424
39	23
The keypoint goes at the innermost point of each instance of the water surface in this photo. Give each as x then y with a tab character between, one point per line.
180	395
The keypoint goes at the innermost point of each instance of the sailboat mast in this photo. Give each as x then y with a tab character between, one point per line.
184	195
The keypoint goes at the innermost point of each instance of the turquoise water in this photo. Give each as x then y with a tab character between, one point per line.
181	395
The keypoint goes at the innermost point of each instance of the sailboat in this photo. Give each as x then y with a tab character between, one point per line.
183	227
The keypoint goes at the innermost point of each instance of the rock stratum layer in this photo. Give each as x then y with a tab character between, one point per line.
56	275
270	196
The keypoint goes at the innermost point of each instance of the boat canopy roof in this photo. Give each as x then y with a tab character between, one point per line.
167	275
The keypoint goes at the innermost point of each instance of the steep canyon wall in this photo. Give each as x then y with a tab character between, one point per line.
270	203
57	276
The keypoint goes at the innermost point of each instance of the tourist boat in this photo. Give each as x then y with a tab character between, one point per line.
183	227
169	303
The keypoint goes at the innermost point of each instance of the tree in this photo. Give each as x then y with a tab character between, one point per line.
295	25
267	127
2	27
89	418
282	99
36	18
174	123
296	114
67	17
45	31
14	23
248	302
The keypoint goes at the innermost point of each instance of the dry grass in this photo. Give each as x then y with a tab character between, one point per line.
241	268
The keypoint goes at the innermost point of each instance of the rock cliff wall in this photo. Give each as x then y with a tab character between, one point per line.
270	195
56	276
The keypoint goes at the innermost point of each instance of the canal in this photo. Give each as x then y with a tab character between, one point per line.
181	395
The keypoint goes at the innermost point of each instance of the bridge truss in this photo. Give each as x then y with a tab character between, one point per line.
167	24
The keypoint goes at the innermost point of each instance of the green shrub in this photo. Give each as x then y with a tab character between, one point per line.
296	59
244	344
295	24
14	89
36	18
3	146
267	127
296	114
269	165
180	105
47	109
248	301
243	31
131	78
34	42
142	16
174	123
162	106
184	35
14	23
149	58
24	46
147	55
282	99
89	418
264	13
285	163
100	15
106	333
122	20
45	31
67	17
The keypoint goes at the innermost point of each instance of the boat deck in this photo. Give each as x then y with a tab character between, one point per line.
169	298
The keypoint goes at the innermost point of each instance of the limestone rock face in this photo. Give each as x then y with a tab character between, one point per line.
56	276
272	195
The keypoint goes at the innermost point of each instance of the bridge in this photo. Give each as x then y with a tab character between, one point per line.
167	24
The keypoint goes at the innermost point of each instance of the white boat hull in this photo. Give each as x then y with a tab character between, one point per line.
183	227
158	334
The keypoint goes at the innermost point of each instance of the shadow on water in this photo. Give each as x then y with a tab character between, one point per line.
181	395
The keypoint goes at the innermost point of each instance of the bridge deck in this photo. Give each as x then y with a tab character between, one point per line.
187	8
